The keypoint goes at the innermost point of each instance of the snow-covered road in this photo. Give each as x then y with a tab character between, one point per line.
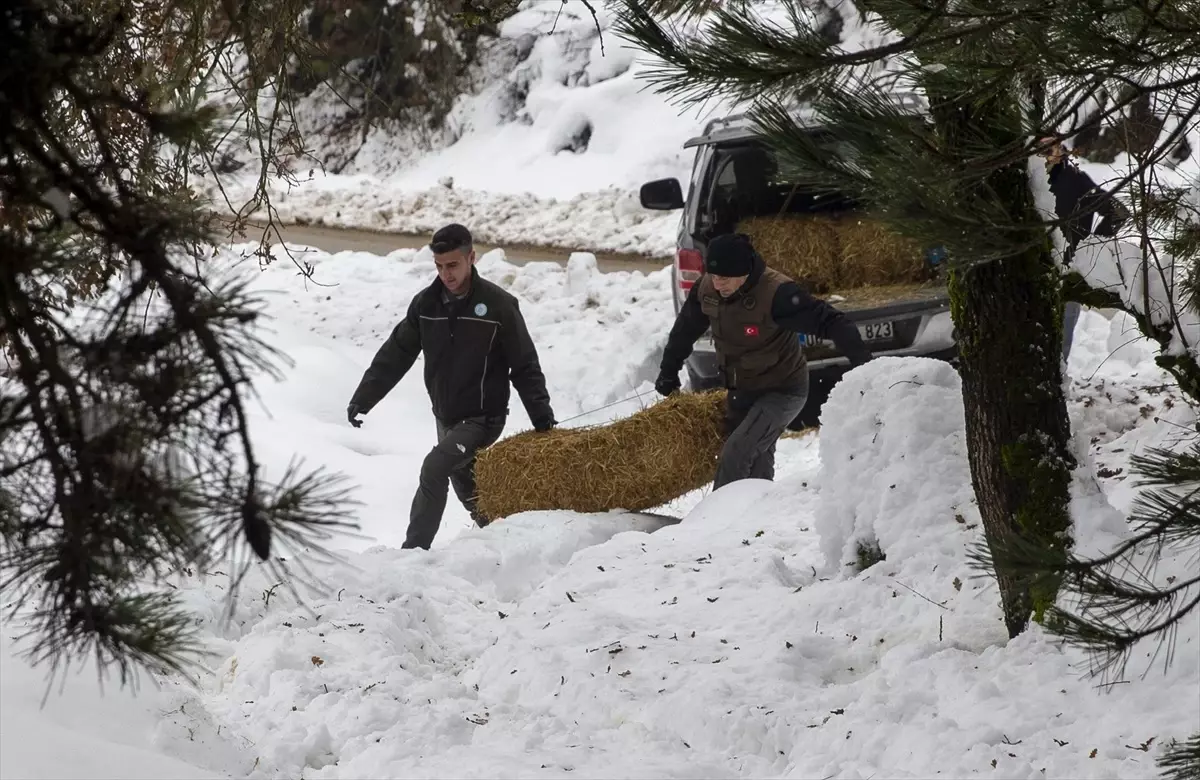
345	239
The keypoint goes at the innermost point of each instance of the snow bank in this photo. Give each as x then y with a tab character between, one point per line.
1109	345
607	220
602	647
561	111
381	649
894	470
1148	285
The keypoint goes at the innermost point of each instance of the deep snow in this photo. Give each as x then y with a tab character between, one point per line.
736	644
554	644
82	732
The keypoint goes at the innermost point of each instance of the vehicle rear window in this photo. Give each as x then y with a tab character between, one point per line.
747	182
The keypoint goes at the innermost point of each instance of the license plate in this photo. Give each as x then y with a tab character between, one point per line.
876	331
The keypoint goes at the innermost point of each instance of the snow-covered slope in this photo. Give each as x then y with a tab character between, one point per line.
549	146
560	112
730	645
549	149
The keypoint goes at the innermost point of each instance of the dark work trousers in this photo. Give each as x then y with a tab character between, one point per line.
754	424
451	462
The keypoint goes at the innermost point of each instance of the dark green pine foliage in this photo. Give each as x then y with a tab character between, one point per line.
125	449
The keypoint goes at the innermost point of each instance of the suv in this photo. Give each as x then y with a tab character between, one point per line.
735	176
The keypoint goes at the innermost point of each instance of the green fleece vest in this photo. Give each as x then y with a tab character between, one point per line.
754	353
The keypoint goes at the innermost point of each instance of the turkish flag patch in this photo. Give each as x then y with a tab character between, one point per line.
752	330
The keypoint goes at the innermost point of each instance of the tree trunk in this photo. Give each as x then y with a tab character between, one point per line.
1009	321
1008	313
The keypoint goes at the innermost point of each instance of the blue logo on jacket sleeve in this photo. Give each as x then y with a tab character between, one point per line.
480	309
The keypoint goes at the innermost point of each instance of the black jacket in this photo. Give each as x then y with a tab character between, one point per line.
473	348
792	309
1077	201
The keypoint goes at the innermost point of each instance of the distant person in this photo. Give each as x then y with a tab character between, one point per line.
475	342
755	314
1077	202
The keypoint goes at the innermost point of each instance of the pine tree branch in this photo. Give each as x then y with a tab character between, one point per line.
1181	761
1118	603
127	446
748	57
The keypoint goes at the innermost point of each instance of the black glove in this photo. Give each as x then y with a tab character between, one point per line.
667	384
541	426
352	413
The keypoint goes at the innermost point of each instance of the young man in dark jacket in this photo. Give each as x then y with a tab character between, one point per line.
755	314
1077	202
475	342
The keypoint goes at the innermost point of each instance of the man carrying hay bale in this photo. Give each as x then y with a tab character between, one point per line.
475	342
755	313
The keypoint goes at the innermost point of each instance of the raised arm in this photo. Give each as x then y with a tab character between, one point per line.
799	312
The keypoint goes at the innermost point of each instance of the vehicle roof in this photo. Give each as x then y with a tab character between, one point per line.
737	127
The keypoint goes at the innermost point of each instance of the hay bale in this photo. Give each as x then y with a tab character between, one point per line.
845	252
804	247
637	463
873	255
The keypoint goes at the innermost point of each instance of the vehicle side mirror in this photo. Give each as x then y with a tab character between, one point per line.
662	195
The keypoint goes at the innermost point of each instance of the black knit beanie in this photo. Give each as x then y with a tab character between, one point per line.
730	255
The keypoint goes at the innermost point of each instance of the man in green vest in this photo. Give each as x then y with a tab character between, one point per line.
755	314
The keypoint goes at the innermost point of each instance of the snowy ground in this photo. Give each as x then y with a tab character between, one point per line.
560	645
82	732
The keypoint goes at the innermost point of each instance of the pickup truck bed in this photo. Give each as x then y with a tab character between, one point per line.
886	296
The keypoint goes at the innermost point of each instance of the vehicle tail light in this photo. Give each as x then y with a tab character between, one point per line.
689	267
